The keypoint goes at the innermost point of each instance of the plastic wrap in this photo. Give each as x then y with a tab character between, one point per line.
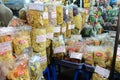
43	59
16	22
6	34
37	17
98	77
78	21
21	39
52	14
38	39
57	30
35	67
59	10
117	65
63	29
49	34
20	71
68	31
58	47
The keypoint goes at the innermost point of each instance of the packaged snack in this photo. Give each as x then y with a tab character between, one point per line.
57	30
37	16
52	14
43	59
6	52
98	77
21	39
58	47
89	59
117	65
78	22
38	39
49	34
59	10
100	58
21	70
6	34
16	22
68	31
63	29
2	72
35	67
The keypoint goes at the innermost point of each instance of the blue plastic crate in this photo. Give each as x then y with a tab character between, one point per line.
89	68
68	64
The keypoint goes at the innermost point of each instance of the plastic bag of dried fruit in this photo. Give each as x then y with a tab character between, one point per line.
6	34
63	29
16	22
117	65
37	16
100	56
52	14
43	59
2	72
38	39
58	47
59	11
49	34
21	70
35	67
98	77
21	39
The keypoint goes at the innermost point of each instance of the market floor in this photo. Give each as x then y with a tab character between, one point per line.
68	75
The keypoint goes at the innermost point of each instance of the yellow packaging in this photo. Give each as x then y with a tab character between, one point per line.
59	10
68	31
38	39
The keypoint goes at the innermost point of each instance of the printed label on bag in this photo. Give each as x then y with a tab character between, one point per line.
77	37
64	29
43	59
59	49
45	15
76	55
41	38
69	27
73	26
53	15
7	31
57	29
4	47
102	71
36	6
50	35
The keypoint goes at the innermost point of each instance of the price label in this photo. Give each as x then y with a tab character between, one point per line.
41	38
57	29
76	55
45	15
69	27
50	35
73	26
64	29
53	15
36	6
59	49
4	47
43	59
102	71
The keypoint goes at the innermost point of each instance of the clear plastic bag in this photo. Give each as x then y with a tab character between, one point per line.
21	39
68	31
38	39
37	17
43	59
52	14
63	29
35	67
58	47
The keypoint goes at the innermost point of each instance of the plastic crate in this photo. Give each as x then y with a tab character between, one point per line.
68	64
89	68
